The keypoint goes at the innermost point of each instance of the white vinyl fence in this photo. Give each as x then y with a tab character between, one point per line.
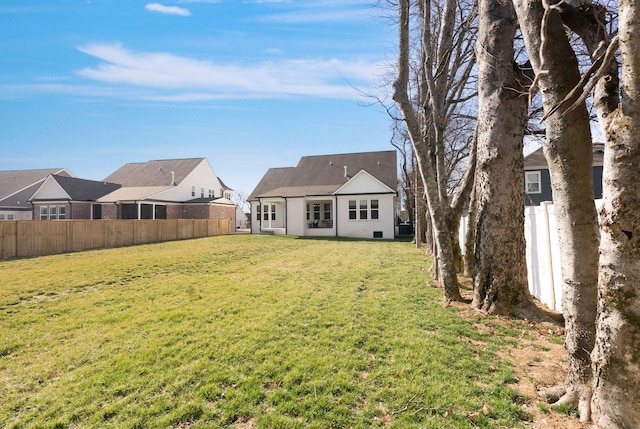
543	253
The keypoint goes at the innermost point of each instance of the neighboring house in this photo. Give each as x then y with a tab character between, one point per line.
17	186
167	189
343	195
63	197
537	181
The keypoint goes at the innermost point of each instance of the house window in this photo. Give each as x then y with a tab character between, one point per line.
273	212
227	195
265	215
9	217
53	212
374	209
201	192
352	209
363	209
308	214
258	212
193	191
327	211
211	194
532	182
1	217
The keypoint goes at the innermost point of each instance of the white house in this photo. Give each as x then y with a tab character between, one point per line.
342	195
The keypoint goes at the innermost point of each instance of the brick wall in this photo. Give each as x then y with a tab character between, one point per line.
79	211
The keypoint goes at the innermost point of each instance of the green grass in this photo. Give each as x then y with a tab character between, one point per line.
272	332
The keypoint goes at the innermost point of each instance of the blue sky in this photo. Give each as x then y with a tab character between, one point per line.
93	84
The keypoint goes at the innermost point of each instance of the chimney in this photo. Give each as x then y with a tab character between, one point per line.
345	171
173	178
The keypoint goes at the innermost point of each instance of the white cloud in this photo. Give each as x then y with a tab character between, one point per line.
173	77
169	10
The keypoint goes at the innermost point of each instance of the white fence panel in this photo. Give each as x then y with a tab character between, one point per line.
544	271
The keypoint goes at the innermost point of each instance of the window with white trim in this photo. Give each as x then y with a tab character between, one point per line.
273	212
375	210
193	191
53	212
363	209
258	212
352	210
532	183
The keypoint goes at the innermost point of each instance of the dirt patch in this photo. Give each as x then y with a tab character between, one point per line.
539	361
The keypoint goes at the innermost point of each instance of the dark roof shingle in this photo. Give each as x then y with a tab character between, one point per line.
85	190
536	159
154	173
323	174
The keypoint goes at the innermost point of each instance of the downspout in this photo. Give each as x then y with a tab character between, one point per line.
335	215
286	231
260	217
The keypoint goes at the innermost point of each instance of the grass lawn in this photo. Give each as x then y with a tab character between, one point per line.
244	332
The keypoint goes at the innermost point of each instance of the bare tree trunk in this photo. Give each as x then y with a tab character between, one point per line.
616	356
444	254
500	268
568	150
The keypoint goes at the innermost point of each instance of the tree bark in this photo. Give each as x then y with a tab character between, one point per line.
568	149
616	356
444	252
500	267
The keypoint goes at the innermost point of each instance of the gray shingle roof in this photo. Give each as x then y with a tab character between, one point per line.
12	181
84	190
323	174
536	159
153	173
17	186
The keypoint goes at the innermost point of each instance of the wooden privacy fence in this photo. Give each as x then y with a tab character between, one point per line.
25	238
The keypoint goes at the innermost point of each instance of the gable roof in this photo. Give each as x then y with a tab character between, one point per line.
323	174
536	160
154	173
224	185
17	186
82	189
13	181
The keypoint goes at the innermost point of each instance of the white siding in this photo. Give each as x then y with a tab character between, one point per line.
202	176
296	216
255	222
50	190
357	228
